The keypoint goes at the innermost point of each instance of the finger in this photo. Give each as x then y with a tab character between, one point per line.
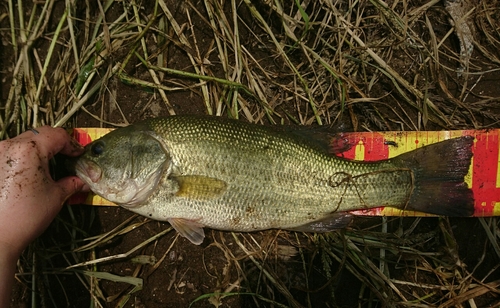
56	140
68	186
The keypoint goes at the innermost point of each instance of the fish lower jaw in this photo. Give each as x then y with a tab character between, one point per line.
123	197
88	171
127	193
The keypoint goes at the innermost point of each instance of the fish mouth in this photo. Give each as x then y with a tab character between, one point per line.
88	171
125	192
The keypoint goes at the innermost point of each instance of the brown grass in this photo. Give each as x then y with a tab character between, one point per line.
364	65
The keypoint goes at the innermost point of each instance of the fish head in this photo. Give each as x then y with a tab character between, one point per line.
124	166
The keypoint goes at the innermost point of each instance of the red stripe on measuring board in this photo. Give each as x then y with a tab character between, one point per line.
485	178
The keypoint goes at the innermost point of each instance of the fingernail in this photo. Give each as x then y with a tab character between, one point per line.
77	145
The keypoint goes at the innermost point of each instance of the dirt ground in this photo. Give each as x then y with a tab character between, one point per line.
177	273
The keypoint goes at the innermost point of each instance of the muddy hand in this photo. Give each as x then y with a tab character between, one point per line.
29	197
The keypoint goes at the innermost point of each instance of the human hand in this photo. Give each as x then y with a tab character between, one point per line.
29	197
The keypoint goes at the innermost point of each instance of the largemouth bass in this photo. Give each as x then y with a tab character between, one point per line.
230	175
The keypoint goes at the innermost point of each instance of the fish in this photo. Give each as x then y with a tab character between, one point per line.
202	171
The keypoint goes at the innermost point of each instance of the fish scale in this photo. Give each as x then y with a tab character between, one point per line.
282	178
231	175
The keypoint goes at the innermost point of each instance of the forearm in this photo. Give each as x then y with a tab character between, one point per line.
8	262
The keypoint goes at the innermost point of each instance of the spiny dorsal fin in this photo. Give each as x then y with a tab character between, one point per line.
199	187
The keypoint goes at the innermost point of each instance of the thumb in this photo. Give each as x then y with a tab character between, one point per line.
69	186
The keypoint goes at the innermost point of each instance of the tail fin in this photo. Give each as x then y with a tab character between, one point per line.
439	171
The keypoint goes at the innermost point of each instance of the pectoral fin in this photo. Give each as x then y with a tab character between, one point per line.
329	223
189	229
199	187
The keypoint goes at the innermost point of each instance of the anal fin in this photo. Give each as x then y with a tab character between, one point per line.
329	223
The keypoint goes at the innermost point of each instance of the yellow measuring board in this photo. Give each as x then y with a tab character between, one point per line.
483	177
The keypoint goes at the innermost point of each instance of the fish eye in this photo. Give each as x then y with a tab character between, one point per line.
97	148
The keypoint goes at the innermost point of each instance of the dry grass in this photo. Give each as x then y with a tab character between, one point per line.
366	65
